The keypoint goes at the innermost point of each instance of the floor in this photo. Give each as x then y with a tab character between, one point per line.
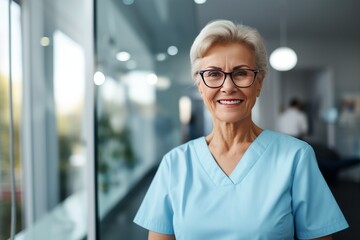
347	194
120	226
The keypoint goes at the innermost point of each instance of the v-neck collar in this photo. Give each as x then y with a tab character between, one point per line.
248	160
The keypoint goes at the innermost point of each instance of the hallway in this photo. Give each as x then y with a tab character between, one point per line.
120	225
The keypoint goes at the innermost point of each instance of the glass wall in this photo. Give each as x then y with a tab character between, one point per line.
52	98
144	88
10	127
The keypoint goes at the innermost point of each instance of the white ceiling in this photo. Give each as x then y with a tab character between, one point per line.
305	18
161	23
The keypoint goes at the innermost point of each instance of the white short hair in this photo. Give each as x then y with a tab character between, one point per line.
225	31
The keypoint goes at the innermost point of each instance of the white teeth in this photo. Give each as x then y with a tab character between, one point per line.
229	101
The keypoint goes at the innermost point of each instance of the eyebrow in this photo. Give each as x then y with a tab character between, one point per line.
240	67
214	68
234	68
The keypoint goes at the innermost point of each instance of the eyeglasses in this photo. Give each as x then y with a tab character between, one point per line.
242	78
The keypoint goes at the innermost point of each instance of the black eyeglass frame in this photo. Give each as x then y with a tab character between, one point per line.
255	71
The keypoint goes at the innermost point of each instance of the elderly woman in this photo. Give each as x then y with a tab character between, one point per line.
240	181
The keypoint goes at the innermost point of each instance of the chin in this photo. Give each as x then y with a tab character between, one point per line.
232	119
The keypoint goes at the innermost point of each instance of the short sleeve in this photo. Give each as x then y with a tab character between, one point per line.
155	212
316	212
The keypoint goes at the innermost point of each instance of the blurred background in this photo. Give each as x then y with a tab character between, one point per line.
100	90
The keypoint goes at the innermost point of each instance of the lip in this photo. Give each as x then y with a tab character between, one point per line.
230	101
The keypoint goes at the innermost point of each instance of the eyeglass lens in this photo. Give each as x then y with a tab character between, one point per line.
216	78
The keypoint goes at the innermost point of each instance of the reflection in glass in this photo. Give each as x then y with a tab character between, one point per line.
69	95
142	50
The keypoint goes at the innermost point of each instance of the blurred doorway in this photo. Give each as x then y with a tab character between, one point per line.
314	88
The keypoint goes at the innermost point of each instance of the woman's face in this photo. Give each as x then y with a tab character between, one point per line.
229	103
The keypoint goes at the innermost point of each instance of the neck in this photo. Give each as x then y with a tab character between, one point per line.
228	135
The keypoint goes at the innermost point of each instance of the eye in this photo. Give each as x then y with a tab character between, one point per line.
240	73
213	73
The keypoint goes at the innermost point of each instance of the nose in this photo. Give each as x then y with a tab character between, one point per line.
228	85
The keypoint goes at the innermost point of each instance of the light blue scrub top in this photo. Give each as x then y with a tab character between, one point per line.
275	191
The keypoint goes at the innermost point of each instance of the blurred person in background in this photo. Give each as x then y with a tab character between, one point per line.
293	120
240	181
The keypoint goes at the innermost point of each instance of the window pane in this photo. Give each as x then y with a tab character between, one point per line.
5	178
57	112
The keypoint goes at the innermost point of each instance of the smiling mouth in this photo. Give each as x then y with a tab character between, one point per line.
230	102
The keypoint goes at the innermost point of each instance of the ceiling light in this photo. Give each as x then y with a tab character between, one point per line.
200	1
172	50
152	79
44	41
123	56
283	59
99	78
161	57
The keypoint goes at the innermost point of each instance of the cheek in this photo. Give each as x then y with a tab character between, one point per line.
252	96
207	95
203	90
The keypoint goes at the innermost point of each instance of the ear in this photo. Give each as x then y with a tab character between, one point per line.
259	86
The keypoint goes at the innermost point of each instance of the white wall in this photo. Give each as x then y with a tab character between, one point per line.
340	59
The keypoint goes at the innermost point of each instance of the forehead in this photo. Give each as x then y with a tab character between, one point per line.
229	54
